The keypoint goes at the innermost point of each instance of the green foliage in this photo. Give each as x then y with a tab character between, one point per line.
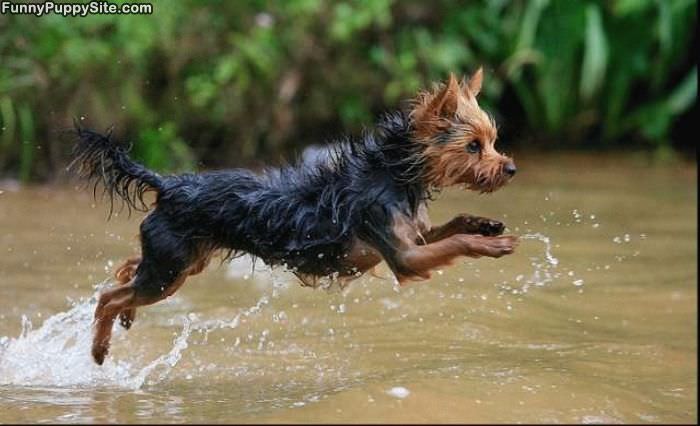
162	149
230	82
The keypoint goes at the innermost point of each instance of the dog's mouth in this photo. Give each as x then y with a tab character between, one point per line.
487	184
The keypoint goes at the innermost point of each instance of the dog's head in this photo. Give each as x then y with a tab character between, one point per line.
458	137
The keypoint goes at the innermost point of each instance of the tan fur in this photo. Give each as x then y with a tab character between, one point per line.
416	261
446	120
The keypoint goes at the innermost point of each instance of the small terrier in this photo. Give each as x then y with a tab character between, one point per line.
339	217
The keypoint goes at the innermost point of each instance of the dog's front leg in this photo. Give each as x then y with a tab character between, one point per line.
410	260
414	262
464	224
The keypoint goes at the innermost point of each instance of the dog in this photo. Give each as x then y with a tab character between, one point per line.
338	216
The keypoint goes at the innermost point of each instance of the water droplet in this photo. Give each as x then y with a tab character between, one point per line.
399	392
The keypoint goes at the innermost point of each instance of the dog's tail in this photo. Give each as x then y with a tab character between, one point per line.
99	160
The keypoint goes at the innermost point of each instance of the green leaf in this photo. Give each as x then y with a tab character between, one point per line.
685	94
26	124
7	114
595	55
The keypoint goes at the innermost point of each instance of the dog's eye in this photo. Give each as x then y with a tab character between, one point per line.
473	147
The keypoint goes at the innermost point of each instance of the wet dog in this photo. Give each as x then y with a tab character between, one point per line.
335	217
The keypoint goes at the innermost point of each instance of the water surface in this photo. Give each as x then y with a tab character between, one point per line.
593	319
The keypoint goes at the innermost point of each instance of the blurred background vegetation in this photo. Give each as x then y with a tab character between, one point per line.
224	83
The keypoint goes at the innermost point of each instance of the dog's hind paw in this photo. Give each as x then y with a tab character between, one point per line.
99	352
127	317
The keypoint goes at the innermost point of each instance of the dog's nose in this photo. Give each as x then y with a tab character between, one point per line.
509	168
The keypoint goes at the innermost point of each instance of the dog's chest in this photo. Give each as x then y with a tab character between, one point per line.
421	221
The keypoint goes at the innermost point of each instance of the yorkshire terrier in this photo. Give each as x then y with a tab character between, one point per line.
334	218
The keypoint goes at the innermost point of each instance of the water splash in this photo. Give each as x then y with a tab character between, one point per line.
166	362
207	326
543	267
57	354
551	260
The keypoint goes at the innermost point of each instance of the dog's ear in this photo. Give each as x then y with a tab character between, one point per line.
445	99
472	87
433	111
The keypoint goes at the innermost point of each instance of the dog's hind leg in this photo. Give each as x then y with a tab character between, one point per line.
167	262
126	298
127	271
124	275
109	305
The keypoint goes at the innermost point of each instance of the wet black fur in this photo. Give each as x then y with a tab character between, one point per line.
97	159
303	215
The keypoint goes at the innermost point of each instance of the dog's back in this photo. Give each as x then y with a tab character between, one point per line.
277	216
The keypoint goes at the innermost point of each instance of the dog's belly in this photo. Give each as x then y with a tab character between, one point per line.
361	258
358	259
342	260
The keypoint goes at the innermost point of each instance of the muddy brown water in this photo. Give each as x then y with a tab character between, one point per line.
601	326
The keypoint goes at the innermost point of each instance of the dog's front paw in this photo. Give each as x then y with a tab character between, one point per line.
470	224
491	246
508	243
490	227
